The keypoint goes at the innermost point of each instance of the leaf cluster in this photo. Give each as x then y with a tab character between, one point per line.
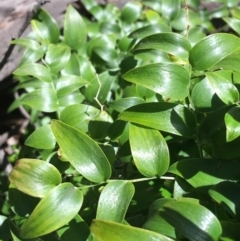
136	125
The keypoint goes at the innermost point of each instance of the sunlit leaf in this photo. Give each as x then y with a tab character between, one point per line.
34	177
105	230
82	152
149	151
168	117
114	195
212	49
51	212
160	78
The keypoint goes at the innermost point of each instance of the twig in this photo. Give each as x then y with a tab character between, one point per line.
187	18
30	15
96	97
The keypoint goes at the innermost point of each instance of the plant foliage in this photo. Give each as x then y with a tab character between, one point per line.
136	125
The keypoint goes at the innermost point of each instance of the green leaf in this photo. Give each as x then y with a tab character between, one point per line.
149	30
131	12
122	104
57	208
229	63
160	78
149	150
78	114
170	8
69	83
44	99
51	24
57	57
204	96
34	177
227	194
232	119
223	86
194	221
37	70
171	43
82	152
168	117
76	230
105	230
212	49
201	172
114	195
75	34
31	44
41	138
156	223
234	23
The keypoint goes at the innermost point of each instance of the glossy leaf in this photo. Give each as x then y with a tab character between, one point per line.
105	230
122	104
57	57
37	70
212	49
31	44
194	221
44	99
223	87
160	78
206	172
34	177
170	8
156	223
227	194
168	117
114	195
232	119
204	96
149	151
82	152
67	84
51	24
149	30
41	138
75	34
51	212
171	43
131	12
230	62
234	23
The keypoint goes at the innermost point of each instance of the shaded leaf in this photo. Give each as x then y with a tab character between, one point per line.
227	194
231	231
149	150
114	195
131	12
194	221
41	138
51	212
105	230
34	177
212	49
206	172
82	152
160	78
232	119
168	117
